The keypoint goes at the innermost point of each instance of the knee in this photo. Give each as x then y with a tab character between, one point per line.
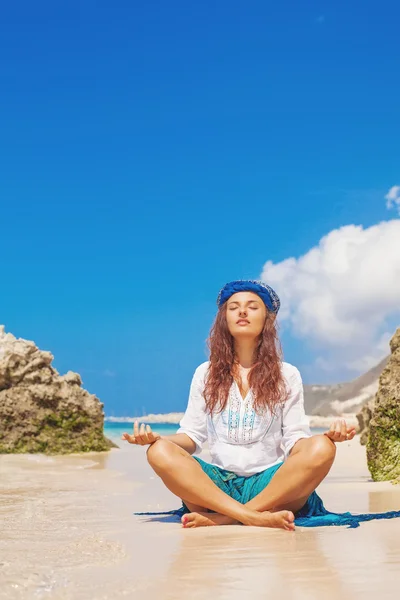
160	453
322	451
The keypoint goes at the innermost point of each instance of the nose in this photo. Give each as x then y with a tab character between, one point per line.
243	312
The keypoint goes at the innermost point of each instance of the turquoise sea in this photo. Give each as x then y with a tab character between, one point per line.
115	430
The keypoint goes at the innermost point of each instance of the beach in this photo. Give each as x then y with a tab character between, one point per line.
67	531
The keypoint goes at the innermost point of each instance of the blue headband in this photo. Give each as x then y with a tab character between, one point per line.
266	293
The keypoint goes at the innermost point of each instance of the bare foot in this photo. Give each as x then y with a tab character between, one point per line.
283	519
202	519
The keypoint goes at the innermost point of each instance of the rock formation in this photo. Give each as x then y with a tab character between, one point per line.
42	411
383	445
364	417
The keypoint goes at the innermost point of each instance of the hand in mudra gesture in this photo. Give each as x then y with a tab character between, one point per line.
142	436
340	432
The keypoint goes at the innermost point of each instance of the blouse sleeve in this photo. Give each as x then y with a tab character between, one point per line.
294	421
194	421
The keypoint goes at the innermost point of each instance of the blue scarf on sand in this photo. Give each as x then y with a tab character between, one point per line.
243	489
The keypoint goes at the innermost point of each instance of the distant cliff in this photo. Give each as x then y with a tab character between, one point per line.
383	444
342	398
42	411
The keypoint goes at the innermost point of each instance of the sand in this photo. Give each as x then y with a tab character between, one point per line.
67	532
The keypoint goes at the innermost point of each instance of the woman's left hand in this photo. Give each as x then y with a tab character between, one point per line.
339	432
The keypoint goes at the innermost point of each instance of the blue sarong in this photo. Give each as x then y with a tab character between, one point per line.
244	489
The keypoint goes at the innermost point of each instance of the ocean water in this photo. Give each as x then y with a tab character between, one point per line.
115	430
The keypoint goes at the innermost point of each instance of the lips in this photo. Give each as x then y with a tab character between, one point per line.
242	322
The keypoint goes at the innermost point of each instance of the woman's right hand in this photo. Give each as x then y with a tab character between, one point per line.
142	436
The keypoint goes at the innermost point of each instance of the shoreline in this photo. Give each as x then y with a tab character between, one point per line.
68	530
174	419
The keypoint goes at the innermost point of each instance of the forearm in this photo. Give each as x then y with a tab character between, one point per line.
182	440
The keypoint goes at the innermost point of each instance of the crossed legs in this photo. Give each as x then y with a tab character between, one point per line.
308	464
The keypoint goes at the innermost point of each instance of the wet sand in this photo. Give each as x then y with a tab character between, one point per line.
67	532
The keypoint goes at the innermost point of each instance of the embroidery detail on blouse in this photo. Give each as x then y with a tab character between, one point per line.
248	421
234	416
243	425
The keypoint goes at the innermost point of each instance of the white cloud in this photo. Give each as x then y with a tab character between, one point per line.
393	198
369	360
340	294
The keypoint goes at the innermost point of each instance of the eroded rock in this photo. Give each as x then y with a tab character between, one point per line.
42	411
364	417
383	445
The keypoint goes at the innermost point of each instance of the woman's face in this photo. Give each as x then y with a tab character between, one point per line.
245	315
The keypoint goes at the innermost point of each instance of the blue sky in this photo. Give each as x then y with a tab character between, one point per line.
153	151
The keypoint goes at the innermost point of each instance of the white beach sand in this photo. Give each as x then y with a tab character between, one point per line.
67	531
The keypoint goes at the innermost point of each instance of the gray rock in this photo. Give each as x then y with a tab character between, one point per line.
42	411
383	445
364	417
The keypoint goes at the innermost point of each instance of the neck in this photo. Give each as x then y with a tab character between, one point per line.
245	350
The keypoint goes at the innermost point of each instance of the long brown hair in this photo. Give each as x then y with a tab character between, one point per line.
265	377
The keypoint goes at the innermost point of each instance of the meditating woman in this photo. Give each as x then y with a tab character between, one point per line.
248	405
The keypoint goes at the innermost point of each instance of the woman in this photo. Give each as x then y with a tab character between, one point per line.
248	406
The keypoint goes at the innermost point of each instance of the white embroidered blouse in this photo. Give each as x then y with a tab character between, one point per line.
239	439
